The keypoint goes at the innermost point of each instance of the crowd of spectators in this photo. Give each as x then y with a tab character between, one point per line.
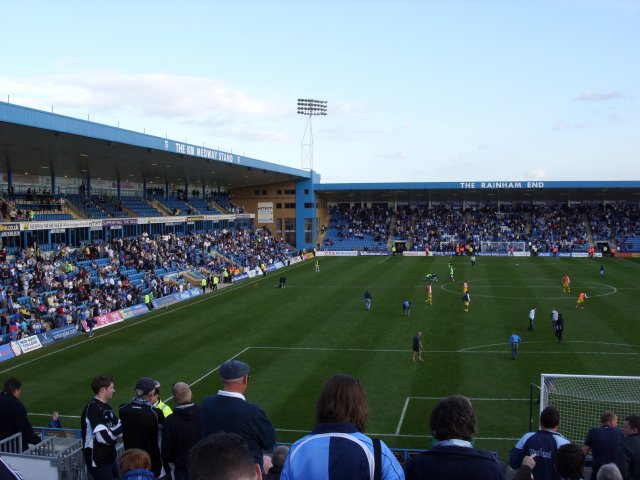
557	225
372	224
548	227
44	290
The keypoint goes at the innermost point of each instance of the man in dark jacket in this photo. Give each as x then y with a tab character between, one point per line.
603	442
628	452
229	412
453	424
13	415
182	430
101	430
142	424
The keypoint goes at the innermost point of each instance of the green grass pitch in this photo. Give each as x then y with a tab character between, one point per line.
296	338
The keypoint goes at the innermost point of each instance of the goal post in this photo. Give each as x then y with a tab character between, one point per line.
581	400
502	248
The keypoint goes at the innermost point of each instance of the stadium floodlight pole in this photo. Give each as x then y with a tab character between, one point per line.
311	108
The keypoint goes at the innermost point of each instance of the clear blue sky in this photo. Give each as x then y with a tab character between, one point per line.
420	90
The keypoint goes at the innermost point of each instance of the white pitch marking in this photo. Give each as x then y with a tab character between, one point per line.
477	399
466	350
404	411
211	371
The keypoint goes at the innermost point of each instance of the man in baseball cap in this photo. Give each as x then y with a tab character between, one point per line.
141	423
229	412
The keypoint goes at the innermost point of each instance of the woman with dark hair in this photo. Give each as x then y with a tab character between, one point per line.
337	448
570	462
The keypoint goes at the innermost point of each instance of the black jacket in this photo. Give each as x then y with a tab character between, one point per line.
182	430
141	428
453	463
628	457
13	419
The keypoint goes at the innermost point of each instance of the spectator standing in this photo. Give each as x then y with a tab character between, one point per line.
13	415
337	448
142	423
609	471
453	424
569	462
627	456
159	404
277	462
91	323
603	442
229	412
544	444
100	430
56	421
182	430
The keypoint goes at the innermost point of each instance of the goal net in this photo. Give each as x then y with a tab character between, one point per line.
487	246
581	399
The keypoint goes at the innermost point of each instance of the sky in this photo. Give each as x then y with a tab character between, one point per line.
417	90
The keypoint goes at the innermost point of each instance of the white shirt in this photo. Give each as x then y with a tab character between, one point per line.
224	393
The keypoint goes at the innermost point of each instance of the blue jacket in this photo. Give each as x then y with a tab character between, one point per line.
337	451
138	474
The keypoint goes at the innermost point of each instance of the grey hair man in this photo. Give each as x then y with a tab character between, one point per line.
609	471
277	461
182	430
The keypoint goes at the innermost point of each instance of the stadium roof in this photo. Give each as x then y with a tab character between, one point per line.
34	142
480	191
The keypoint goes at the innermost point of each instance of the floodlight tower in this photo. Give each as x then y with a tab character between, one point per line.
311	108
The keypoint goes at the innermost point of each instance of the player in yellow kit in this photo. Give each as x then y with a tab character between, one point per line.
429	290
580	302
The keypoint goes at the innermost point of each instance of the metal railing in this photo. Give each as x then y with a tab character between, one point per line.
55	457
